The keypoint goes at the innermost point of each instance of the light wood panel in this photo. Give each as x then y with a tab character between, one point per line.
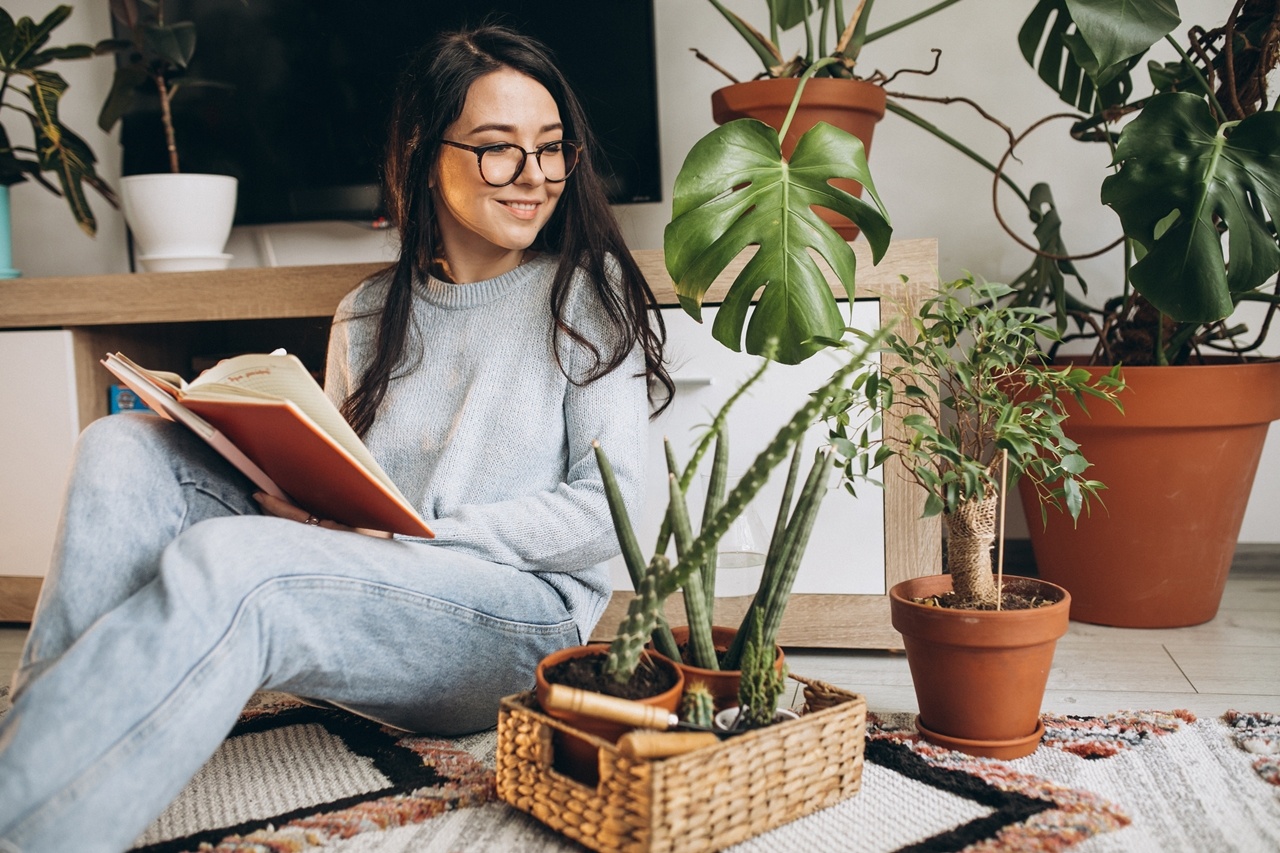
18	598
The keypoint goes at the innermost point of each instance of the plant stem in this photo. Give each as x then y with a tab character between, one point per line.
897	109
906	22
1213	101
795	102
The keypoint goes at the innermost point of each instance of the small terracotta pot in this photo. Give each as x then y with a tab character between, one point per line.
1178	465
577	756
851	105
723	683
979	675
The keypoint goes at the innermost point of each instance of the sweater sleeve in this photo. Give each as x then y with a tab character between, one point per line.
569	528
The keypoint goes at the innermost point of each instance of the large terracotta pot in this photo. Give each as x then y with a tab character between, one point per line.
579	757
1178	466
851	105
979	675
723	683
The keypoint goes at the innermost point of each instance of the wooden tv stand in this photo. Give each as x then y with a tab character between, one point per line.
163	320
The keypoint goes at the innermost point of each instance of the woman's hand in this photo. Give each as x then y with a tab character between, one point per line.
274	506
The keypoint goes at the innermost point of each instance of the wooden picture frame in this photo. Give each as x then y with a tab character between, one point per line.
912	545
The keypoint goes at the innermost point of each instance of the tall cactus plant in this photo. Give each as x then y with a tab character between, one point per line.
657	579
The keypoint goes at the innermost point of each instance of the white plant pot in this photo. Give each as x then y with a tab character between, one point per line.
179	221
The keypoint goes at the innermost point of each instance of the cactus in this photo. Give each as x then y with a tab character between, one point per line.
782	563
762	684
661	580
625	650
701	650
697	706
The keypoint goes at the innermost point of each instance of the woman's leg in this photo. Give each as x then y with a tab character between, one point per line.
407	633
136	482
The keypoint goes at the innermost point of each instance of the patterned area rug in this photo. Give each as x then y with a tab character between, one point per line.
297	778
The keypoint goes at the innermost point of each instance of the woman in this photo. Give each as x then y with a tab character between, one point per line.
511	333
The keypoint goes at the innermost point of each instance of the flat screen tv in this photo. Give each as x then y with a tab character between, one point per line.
302	118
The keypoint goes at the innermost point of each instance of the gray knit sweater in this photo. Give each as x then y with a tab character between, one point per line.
487	437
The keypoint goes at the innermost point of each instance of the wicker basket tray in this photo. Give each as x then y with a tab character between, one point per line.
703	800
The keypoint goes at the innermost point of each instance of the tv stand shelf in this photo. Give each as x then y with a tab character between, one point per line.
162	320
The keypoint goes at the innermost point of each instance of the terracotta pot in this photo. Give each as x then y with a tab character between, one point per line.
579	757
979	675
851	105
723	683
1178	467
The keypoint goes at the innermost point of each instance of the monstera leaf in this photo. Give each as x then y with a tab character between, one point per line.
736	190
1182	181
1086	49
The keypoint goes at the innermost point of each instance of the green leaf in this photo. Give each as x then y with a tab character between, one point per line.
932	506
1065	63
1074	463
1174	159
789	13
60	151
123	91
174	43
1116	30
736	190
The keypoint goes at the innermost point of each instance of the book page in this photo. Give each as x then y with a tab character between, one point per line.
285	377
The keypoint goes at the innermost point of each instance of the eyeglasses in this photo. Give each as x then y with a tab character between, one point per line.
501	163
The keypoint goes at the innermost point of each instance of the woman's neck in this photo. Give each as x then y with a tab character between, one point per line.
465	270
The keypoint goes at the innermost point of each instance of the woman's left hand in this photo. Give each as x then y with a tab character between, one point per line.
274	506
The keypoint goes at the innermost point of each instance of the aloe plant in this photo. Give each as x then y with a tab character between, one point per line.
24	56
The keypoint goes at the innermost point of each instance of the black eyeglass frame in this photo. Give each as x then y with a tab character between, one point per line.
481	150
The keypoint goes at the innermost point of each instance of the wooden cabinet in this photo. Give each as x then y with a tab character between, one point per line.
163	320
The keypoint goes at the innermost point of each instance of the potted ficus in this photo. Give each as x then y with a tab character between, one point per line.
1196	147
181	221
980	410
834	33
25	55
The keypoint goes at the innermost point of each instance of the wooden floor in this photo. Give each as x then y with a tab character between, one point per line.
1230	662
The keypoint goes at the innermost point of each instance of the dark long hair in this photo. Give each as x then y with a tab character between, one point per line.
581	231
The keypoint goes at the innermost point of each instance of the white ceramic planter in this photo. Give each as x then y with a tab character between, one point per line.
179	221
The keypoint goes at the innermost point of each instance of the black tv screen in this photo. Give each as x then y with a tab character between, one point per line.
302	118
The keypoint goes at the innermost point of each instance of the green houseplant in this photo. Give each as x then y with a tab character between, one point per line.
25	55
658	577
980	645
1195	154
834	34
181	221
737	188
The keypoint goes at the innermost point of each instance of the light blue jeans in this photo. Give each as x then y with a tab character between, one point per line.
171	600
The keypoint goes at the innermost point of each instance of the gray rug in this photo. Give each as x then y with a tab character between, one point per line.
299	778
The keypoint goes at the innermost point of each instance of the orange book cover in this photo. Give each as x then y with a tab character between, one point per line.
239	405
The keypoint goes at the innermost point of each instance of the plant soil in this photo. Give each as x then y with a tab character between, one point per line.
587	673
1009	601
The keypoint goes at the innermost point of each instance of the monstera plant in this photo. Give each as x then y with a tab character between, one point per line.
736	190
1195	145
25	56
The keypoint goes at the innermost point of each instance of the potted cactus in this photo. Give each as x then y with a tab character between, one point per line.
621	666
980	645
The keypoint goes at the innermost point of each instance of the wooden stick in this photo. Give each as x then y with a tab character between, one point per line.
1004	499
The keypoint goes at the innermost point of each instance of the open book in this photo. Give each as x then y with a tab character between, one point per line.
270	419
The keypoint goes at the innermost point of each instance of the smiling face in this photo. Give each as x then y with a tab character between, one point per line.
484	229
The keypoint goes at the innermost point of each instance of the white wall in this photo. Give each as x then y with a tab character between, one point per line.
930	190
